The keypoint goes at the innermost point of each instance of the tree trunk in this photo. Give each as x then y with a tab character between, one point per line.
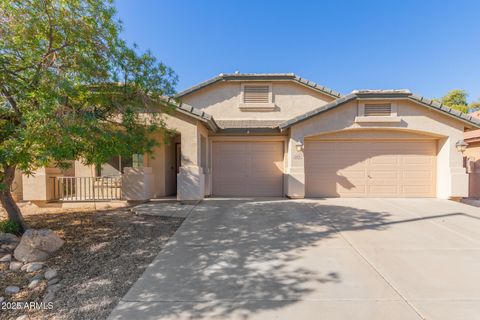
6	199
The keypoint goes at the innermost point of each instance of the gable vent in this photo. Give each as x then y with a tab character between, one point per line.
256	94
378	110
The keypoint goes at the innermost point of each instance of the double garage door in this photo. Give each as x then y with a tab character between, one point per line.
370	168
332	168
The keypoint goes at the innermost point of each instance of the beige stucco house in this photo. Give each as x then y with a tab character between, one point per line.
245	135
472	155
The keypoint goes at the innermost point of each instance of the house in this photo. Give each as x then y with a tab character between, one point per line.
472	155
243	135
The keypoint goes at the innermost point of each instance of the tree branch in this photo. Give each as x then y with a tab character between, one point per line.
13	103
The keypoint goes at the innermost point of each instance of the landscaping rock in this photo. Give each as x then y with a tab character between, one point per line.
12	289
7	238
54	288
48	297
50	273
53	281
37	245
24	317
15	265
2	299
9	247
32	266
6	258
34	283
37	277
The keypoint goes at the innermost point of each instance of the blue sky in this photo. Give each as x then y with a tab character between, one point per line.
429	47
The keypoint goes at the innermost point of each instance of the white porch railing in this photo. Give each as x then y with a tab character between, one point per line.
103	188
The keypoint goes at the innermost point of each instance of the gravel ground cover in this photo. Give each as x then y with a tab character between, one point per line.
104	254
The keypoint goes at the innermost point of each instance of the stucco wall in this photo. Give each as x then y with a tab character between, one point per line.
452	181
222	101
473	155
157	162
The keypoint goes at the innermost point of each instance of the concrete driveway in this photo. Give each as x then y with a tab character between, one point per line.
315	259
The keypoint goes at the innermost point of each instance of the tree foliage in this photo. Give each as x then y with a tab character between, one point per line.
70	87
457	99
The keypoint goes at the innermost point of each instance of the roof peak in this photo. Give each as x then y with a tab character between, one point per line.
261	77
239	74
381	91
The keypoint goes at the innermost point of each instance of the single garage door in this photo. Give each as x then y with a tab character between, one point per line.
247	168
370	168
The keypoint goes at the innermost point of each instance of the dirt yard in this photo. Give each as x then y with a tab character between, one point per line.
104	253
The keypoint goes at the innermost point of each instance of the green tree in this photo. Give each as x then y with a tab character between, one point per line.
457	99
70	88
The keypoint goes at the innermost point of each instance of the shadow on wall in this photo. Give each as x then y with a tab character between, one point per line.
188	186
247	261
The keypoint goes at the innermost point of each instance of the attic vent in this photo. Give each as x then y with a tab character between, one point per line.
256	94
378	110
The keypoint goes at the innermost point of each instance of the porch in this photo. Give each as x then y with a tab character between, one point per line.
177	167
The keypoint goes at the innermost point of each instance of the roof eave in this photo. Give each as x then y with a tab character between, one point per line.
455	114
468	119
287	124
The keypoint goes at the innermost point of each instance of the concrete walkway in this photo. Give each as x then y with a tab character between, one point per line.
315	259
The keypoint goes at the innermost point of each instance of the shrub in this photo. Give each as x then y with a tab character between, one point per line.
9	226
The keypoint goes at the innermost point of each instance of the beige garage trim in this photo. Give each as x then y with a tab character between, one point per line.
372	168
242	168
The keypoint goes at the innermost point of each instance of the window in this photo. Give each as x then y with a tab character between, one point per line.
116	165
377	110
137	160
256	94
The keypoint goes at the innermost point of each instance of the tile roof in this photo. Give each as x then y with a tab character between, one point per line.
386	94
195	113
261	77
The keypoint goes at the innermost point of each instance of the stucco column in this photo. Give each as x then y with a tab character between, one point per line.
82	170
190	179
39	185
452	177
137	183
295	169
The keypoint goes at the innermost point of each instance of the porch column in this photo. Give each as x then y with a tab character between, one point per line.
82	170
452	177
39	186
295	168
191	178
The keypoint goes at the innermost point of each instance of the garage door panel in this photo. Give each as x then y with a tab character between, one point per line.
357	190
370	168
247	168
384	191
351	174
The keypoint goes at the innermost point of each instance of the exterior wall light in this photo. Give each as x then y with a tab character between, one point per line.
299	147
461	146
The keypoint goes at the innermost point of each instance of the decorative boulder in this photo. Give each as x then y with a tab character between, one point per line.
8	242
37	245
8	238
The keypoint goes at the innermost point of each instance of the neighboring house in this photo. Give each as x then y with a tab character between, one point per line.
281	135
473	159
